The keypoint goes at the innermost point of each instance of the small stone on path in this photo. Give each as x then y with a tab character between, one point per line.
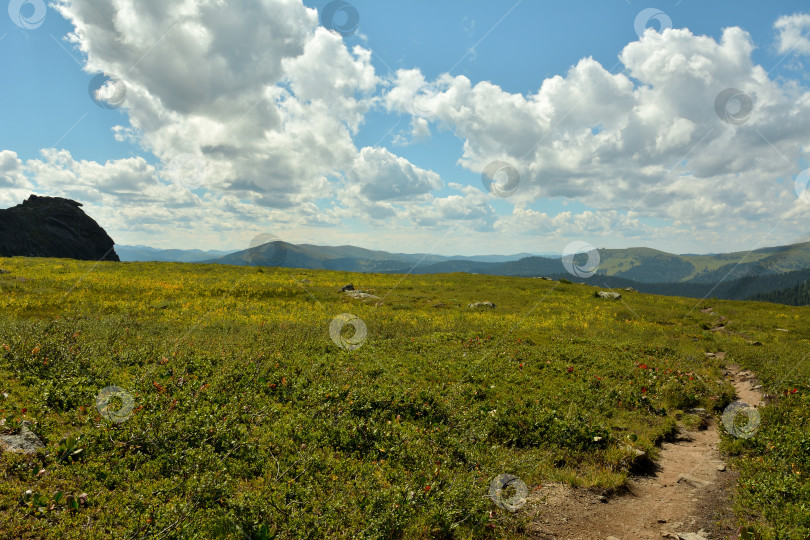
692	481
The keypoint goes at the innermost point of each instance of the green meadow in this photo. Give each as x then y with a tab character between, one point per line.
236	413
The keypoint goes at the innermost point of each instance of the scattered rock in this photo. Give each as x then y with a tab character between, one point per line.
755	343
4	271
609	295
710	355
602	499
706	311
612	538
639	460
546	278
360	295
348	287
24	443
486	304
640	454
684	535
630	289
692	481
690	536
778	329
721	467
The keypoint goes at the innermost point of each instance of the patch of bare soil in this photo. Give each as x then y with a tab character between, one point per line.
746	384
686	497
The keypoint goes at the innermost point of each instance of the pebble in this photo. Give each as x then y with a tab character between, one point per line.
721	468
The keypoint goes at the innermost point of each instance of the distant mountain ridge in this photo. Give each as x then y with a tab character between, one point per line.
737	275
348	258
146	253
640	264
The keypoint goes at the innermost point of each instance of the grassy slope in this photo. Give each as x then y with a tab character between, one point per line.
249	420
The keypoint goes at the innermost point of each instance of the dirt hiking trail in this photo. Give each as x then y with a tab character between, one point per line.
683	498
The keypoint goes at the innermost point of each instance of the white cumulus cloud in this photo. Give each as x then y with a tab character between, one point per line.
794	33
647	139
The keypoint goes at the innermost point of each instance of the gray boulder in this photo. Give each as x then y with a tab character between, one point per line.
607	294
24	443
487	304
360	295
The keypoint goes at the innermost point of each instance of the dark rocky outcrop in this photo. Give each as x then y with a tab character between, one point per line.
53	227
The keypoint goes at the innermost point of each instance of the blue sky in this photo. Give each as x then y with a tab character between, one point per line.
253	118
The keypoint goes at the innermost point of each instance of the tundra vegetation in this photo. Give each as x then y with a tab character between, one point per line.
248	420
